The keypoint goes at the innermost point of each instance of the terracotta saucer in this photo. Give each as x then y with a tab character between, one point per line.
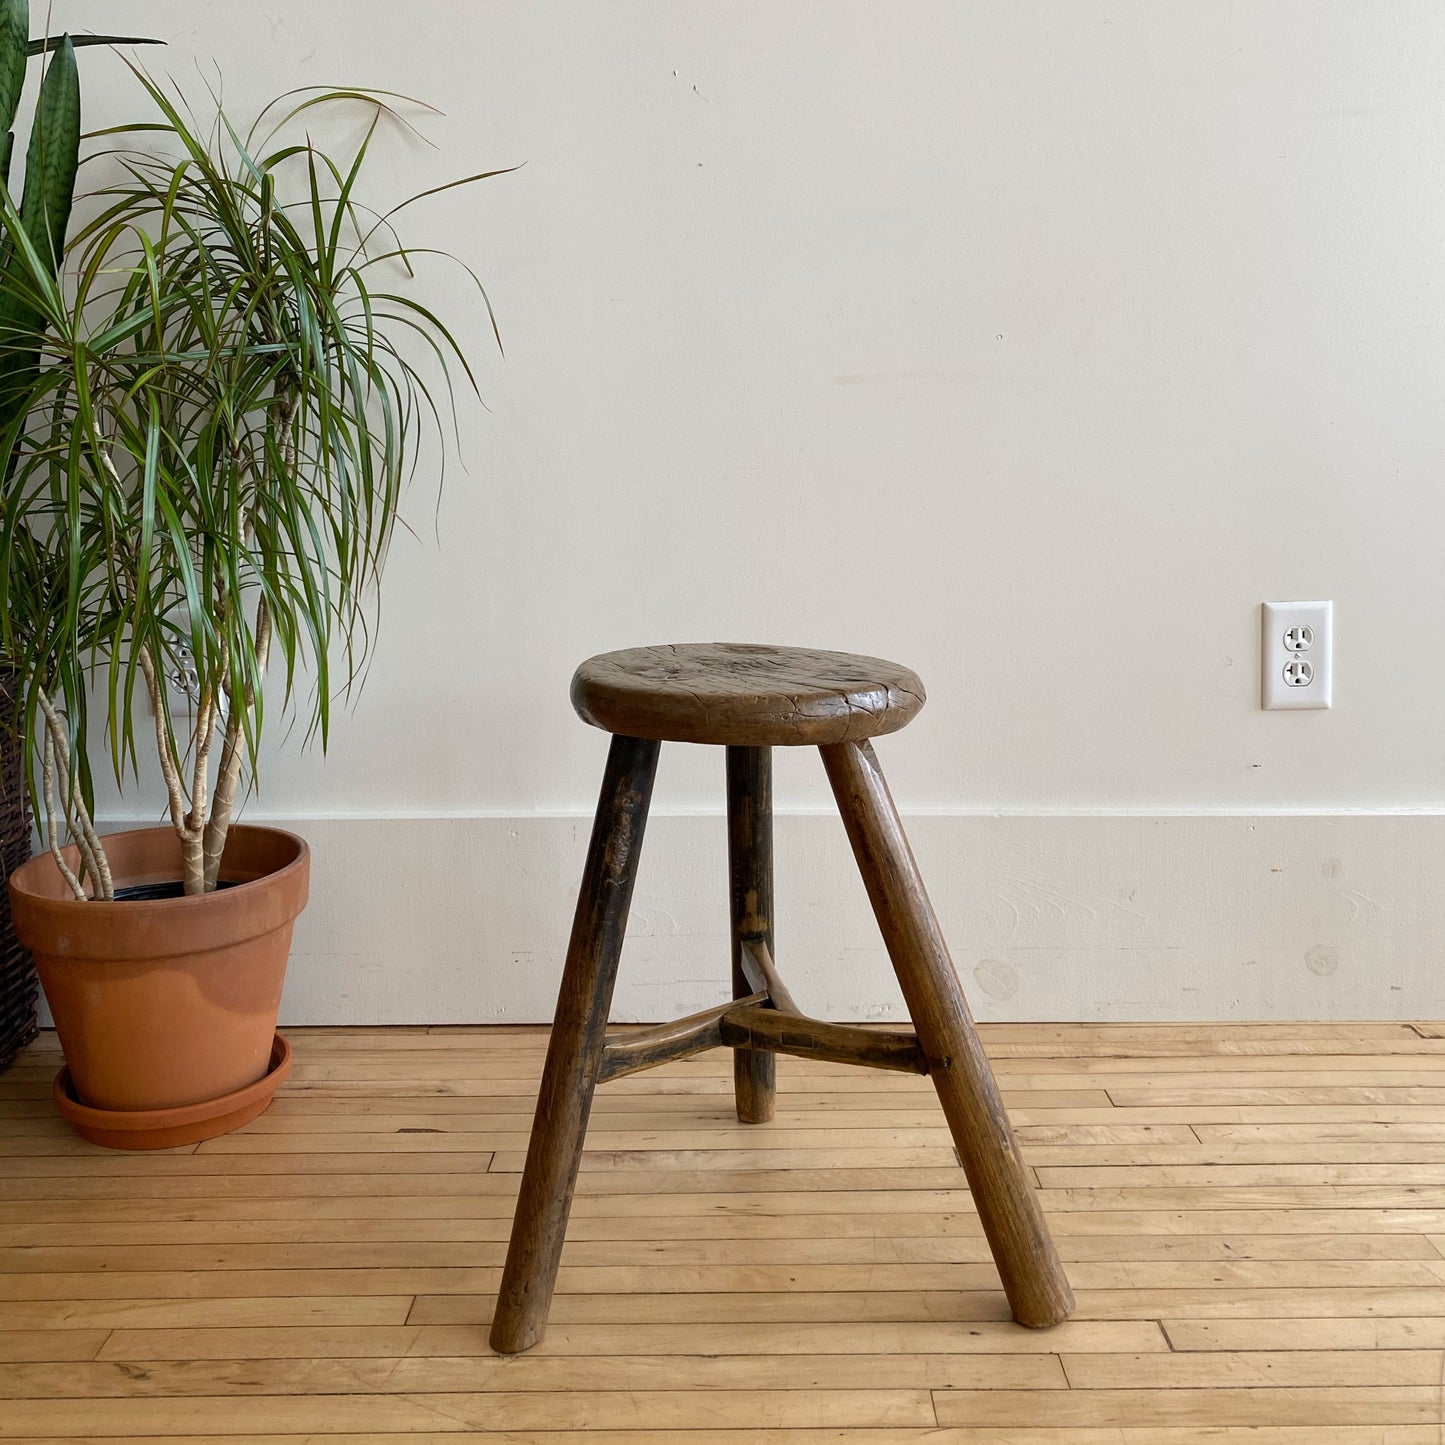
168	1128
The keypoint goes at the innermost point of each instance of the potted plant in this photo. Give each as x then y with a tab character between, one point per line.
52	156
211	454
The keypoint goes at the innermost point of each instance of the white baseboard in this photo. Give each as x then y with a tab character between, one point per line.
1089	917
1096	917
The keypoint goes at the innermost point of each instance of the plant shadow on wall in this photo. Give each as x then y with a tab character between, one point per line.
213	415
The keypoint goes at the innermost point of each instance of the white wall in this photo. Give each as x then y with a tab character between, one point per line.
1033	345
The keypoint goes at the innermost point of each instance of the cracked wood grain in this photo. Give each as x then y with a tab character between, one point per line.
745	695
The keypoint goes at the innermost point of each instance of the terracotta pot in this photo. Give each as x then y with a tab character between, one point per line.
169	1002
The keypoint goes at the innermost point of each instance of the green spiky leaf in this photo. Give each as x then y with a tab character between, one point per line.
42	47
54	154
14	48
50	169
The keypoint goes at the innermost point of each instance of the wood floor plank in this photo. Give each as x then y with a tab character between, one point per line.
893	1435
1319	1061
371	1252
860	1131
1297	1131
64	1344
1233	1175
1166	1095
492	1410
610	1129
1368	1333
83	1313
921	1435
421	1218
804	1108
1253	1369
958	1306
1151	1409
834	1338
608	1197
1245	1196
554	1375
524	1091
817	1238
1144	1276
1401	1074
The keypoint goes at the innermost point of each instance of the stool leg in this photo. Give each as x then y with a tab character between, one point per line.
1034	1280
750	870
575	1048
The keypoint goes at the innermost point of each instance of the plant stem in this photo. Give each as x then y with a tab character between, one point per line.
77	818
190	828
193	855
163	740
60	759
229	774
47	769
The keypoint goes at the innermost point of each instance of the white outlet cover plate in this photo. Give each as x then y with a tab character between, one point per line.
1280	619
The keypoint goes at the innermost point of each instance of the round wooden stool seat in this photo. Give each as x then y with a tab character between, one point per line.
744	695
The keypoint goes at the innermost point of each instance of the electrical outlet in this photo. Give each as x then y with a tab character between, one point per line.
181	673
1297	655
182	681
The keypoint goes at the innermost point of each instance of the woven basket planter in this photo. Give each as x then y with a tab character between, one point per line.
18	986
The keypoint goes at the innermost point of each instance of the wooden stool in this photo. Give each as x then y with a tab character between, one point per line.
750	699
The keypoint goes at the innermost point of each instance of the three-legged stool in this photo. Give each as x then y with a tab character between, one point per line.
749	700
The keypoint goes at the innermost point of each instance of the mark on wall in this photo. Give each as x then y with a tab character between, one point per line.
1361	904
1323	959
997	979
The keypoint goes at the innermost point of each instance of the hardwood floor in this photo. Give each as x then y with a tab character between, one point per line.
1253	1217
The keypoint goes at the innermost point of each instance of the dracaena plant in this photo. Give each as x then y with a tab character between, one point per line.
229	399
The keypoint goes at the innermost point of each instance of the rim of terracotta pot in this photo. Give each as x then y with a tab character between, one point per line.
154	928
